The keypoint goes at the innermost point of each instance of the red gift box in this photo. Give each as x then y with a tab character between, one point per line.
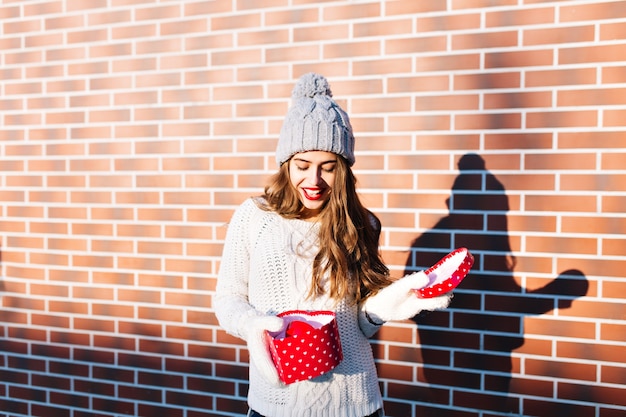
447	274
308	347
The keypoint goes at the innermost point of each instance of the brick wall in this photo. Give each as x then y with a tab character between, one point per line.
131	129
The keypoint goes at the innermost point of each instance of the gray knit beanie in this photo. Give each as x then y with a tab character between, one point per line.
315	122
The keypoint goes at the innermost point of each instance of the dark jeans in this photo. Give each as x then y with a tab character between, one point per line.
253	413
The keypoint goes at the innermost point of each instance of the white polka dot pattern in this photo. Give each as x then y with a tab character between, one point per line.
447	274
309	346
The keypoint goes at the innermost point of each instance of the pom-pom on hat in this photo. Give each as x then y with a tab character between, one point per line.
315	122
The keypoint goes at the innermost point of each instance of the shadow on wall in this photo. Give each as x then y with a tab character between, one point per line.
466	350
144	370
70	377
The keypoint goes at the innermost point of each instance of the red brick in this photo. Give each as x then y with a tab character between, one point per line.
306	34
528	182
566	35
23	58
64	275
517	100
230	58
447	22
87	36
557	119
583	139
482	400
157	214
189	26
382	105
22	26
69	400
613	117
139	296
561	203
613	74
447	103
487	81
520	17
613	331
94	324
541	407
613	374
416	45
139	263
485	40
50	321
402	8
412	162
115	342
534	346
593	11
614	247
570	77
162	347
488	121
110	245
612	289
415	84
150	409
17	120
396	334
602	182
592	393
247	20
395	372
562	161
156	280
594	97
559	328
449	62
128	64
590	54
384	28
606	310
189	333
111	310
27	334
69	338
521	385
594	225
93	261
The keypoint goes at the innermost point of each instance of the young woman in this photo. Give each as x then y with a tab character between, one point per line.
309	244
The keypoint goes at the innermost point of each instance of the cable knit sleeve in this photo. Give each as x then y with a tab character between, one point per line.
230	302
367	326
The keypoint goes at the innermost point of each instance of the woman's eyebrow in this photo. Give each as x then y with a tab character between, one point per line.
330	161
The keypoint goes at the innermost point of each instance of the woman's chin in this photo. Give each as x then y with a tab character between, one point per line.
312	209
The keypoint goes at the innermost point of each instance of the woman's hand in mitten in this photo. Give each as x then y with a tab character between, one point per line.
254	334
398	301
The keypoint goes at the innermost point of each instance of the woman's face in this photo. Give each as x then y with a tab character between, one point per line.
312	174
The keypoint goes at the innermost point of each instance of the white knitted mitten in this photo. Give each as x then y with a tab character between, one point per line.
398	301
255	336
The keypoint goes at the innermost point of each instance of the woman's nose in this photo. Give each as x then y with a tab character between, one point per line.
316	176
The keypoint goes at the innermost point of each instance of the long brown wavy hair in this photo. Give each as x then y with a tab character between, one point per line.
348	238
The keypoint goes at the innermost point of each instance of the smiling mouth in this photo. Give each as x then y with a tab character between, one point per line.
313	194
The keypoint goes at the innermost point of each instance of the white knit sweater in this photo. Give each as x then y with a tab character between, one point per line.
265	270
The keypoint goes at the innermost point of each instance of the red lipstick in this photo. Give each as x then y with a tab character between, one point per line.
313	194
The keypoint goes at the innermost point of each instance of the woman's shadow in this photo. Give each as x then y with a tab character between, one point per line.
466	349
